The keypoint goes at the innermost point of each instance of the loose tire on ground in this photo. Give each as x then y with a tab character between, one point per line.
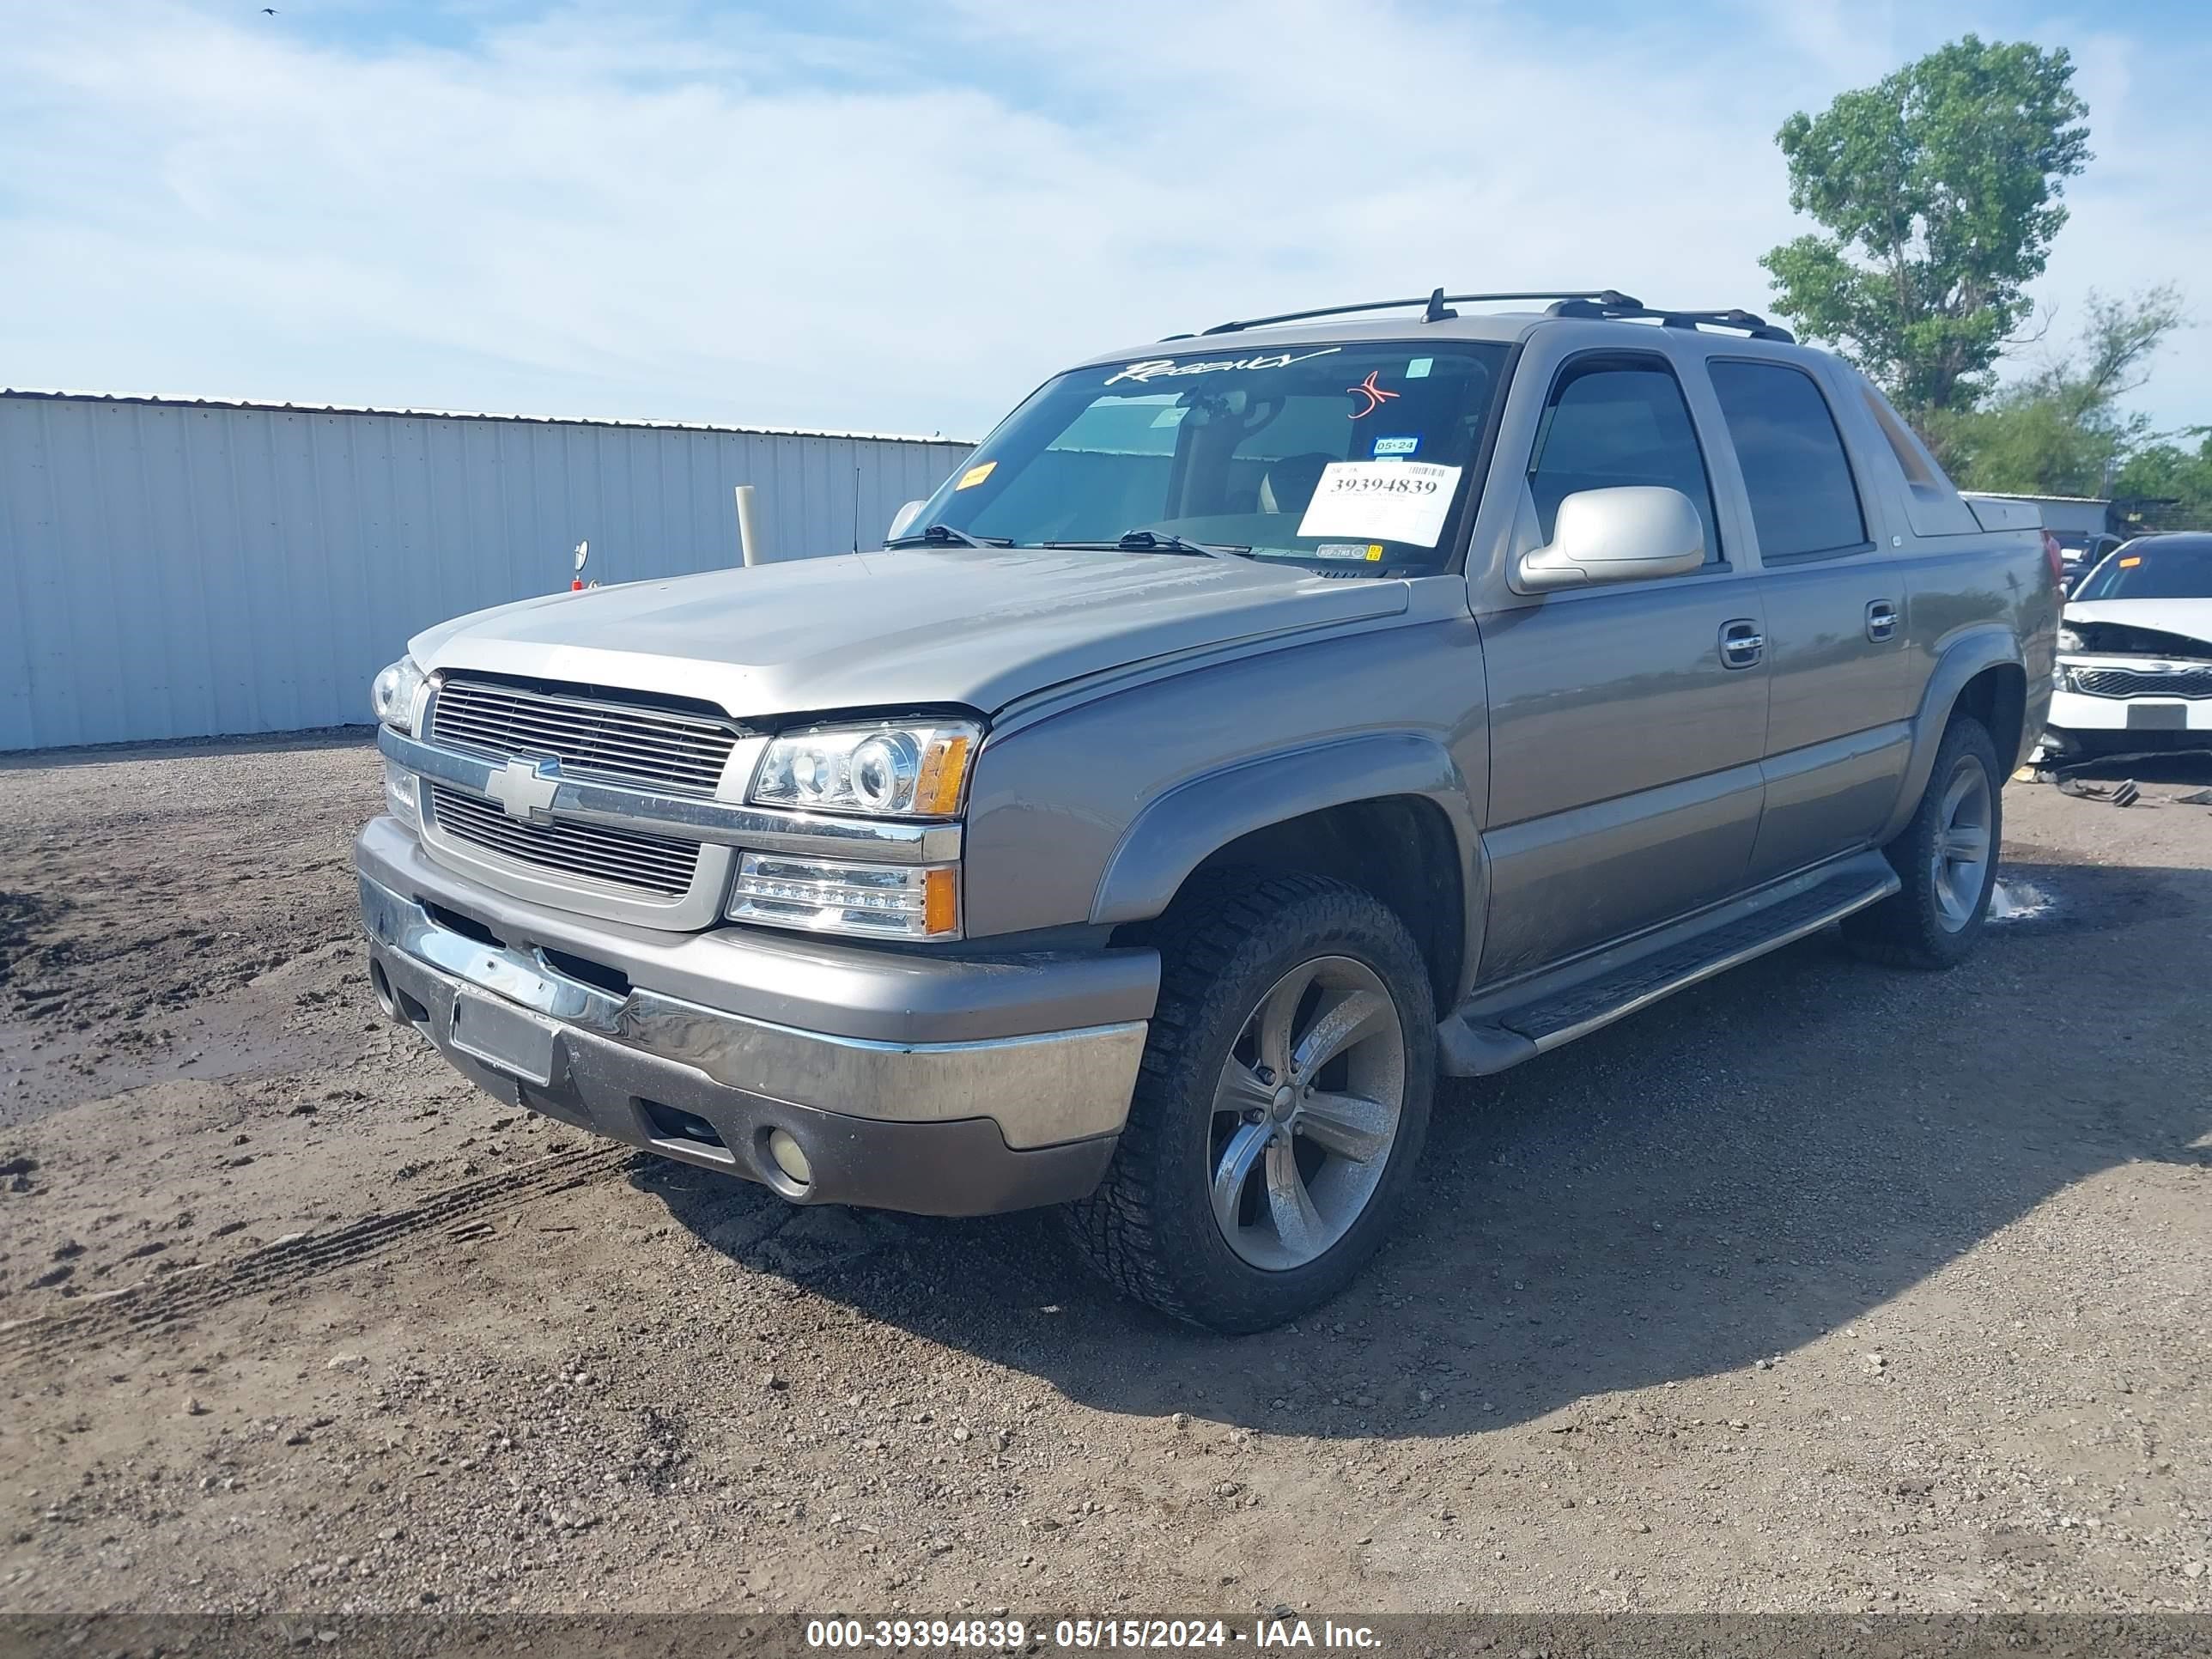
1231	950
1920	926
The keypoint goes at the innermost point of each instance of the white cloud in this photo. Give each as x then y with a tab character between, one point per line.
610	213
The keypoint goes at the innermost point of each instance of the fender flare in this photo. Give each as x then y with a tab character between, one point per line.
1989	645
1179	829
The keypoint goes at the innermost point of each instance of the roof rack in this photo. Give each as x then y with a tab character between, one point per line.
1750	323
1437	307
1604	302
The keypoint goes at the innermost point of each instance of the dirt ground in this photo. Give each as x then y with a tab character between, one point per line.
1821	1287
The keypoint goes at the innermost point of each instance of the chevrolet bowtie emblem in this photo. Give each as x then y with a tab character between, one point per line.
527	789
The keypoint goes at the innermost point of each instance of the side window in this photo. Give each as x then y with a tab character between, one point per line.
1619	421
1803	502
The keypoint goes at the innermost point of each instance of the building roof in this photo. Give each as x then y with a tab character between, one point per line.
171	401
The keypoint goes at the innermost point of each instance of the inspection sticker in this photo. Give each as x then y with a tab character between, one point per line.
1371	552
975	474
1382	501
1386	447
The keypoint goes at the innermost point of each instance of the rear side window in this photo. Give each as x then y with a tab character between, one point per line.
1803	502
1614	421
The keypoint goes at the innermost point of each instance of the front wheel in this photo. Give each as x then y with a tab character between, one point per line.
1945	858
1280	1108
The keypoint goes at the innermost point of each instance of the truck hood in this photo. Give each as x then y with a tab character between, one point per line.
2187	619
979	627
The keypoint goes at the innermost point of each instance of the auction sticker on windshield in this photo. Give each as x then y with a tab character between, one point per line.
1384	501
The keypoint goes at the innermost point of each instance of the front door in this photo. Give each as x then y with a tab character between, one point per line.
1627	722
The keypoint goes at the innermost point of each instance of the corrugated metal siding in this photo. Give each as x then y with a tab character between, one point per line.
179	570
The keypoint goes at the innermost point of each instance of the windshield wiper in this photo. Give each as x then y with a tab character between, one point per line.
944	535
1148	541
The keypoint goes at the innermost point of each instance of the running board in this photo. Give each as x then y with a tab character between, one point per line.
1498	1029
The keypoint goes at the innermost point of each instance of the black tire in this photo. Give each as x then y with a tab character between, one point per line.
1150	1227
1910	929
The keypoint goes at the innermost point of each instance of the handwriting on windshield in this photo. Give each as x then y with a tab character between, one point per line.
1374	394
1161	369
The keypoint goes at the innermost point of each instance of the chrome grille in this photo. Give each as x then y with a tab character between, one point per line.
2128	682
595	852
665	749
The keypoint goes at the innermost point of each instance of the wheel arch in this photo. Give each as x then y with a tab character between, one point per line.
1389	813
1980	673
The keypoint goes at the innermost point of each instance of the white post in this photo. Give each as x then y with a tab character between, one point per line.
749	540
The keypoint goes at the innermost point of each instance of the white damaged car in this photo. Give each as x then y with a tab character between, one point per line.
2135	654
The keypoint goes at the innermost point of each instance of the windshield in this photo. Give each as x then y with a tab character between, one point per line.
1351	454
2153	568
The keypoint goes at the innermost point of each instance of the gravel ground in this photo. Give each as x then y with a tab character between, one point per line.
1817	1288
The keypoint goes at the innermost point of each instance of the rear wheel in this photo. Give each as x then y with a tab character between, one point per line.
1945	858
1280	1108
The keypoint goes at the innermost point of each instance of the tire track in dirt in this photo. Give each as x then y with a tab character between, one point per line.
459	1212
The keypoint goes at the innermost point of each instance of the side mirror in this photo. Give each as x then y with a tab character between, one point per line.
902	520
1621	535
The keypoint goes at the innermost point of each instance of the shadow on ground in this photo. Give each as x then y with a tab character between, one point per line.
2190	768
1715	1182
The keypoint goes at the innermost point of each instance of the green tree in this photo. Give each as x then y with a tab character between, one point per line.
2059	430
1939	188
2166	471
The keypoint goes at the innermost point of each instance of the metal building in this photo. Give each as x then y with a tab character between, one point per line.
173	568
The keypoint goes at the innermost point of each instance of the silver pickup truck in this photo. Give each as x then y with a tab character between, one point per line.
1259	724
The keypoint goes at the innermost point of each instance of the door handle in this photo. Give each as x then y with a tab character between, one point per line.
1743	644
1881	619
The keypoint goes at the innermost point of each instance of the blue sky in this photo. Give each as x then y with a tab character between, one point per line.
892	216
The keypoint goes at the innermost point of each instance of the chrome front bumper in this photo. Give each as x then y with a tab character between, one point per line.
970	1123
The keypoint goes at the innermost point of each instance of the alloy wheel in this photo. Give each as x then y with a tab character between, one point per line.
1960	859
1305	1113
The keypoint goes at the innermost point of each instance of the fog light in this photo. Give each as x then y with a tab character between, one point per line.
400	786
790	1157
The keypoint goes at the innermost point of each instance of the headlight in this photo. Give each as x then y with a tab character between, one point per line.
905	768
392	694
2070	641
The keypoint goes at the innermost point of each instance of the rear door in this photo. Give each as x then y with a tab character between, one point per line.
1628	721
1842	694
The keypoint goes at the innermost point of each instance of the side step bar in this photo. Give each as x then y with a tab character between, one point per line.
1497	1030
